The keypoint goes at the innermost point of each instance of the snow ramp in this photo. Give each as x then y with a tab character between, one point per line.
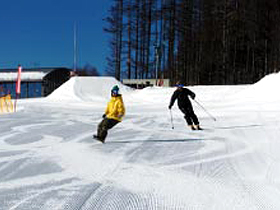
87	89
267	89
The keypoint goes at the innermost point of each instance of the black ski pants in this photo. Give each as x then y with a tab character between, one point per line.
190	116
104	126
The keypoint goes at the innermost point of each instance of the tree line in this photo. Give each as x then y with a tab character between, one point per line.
194	41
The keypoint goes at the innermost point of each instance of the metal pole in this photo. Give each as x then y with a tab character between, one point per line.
15	104
171	119
206	111
75	46
157	64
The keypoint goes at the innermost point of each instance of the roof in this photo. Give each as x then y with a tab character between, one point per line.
32	74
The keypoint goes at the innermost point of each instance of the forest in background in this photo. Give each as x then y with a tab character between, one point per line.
199	42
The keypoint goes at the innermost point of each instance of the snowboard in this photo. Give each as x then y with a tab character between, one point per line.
98	139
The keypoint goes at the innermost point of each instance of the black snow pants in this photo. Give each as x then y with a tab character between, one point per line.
190	116
104	126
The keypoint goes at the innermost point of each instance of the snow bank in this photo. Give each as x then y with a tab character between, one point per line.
267	89
97	89
149	95
88	89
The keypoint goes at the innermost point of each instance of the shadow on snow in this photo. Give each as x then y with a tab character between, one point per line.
154	141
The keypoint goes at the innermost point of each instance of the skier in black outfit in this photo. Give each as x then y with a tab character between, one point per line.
182	95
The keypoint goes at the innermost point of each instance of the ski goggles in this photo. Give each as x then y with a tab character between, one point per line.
116	92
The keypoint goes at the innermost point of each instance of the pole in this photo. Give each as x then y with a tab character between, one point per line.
75	46
156	65
15	105
205	110
171	116
18	86
156	61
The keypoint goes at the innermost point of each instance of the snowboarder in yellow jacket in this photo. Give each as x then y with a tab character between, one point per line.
113	114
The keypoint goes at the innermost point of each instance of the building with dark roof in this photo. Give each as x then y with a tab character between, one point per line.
35	82
142	83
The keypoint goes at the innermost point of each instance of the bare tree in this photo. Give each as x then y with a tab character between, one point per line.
197	42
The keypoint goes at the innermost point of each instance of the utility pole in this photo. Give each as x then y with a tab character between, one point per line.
75	46
157	59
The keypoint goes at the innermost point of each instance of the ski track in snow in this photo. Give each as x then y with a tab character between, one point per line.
48	160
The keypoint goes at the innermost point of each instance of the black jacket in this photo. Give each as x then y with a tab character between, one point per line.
182	96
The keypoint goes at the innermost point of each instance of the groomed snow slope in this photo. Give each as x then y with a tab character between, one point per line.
48	159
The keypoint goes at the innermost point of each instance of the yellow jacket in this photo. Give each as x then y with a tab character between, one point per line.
115	108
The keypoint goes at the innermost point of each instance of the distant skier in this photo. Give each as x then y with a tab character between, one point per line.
182	95
113	115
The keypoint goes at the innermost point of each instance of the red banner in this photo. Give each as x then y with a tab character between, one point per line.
18	80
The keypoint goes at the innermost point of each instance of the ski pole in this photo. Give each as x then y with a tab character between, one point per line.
171	119
205	110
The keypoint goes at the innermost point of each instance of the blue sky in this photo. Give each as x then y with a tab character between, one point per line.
39	33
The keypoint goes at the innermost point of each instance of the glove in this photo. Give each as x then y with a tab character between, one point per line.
103	116
169	107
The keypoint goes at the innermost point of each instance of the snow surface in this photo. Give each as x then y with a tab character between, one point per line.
48	159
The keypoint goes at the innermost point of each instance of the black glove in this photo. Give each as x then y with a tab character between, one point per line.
103	116
169	107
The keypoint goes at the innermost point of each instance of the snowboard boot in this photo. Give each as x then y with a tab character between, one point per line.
192	127
98	138
197	127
